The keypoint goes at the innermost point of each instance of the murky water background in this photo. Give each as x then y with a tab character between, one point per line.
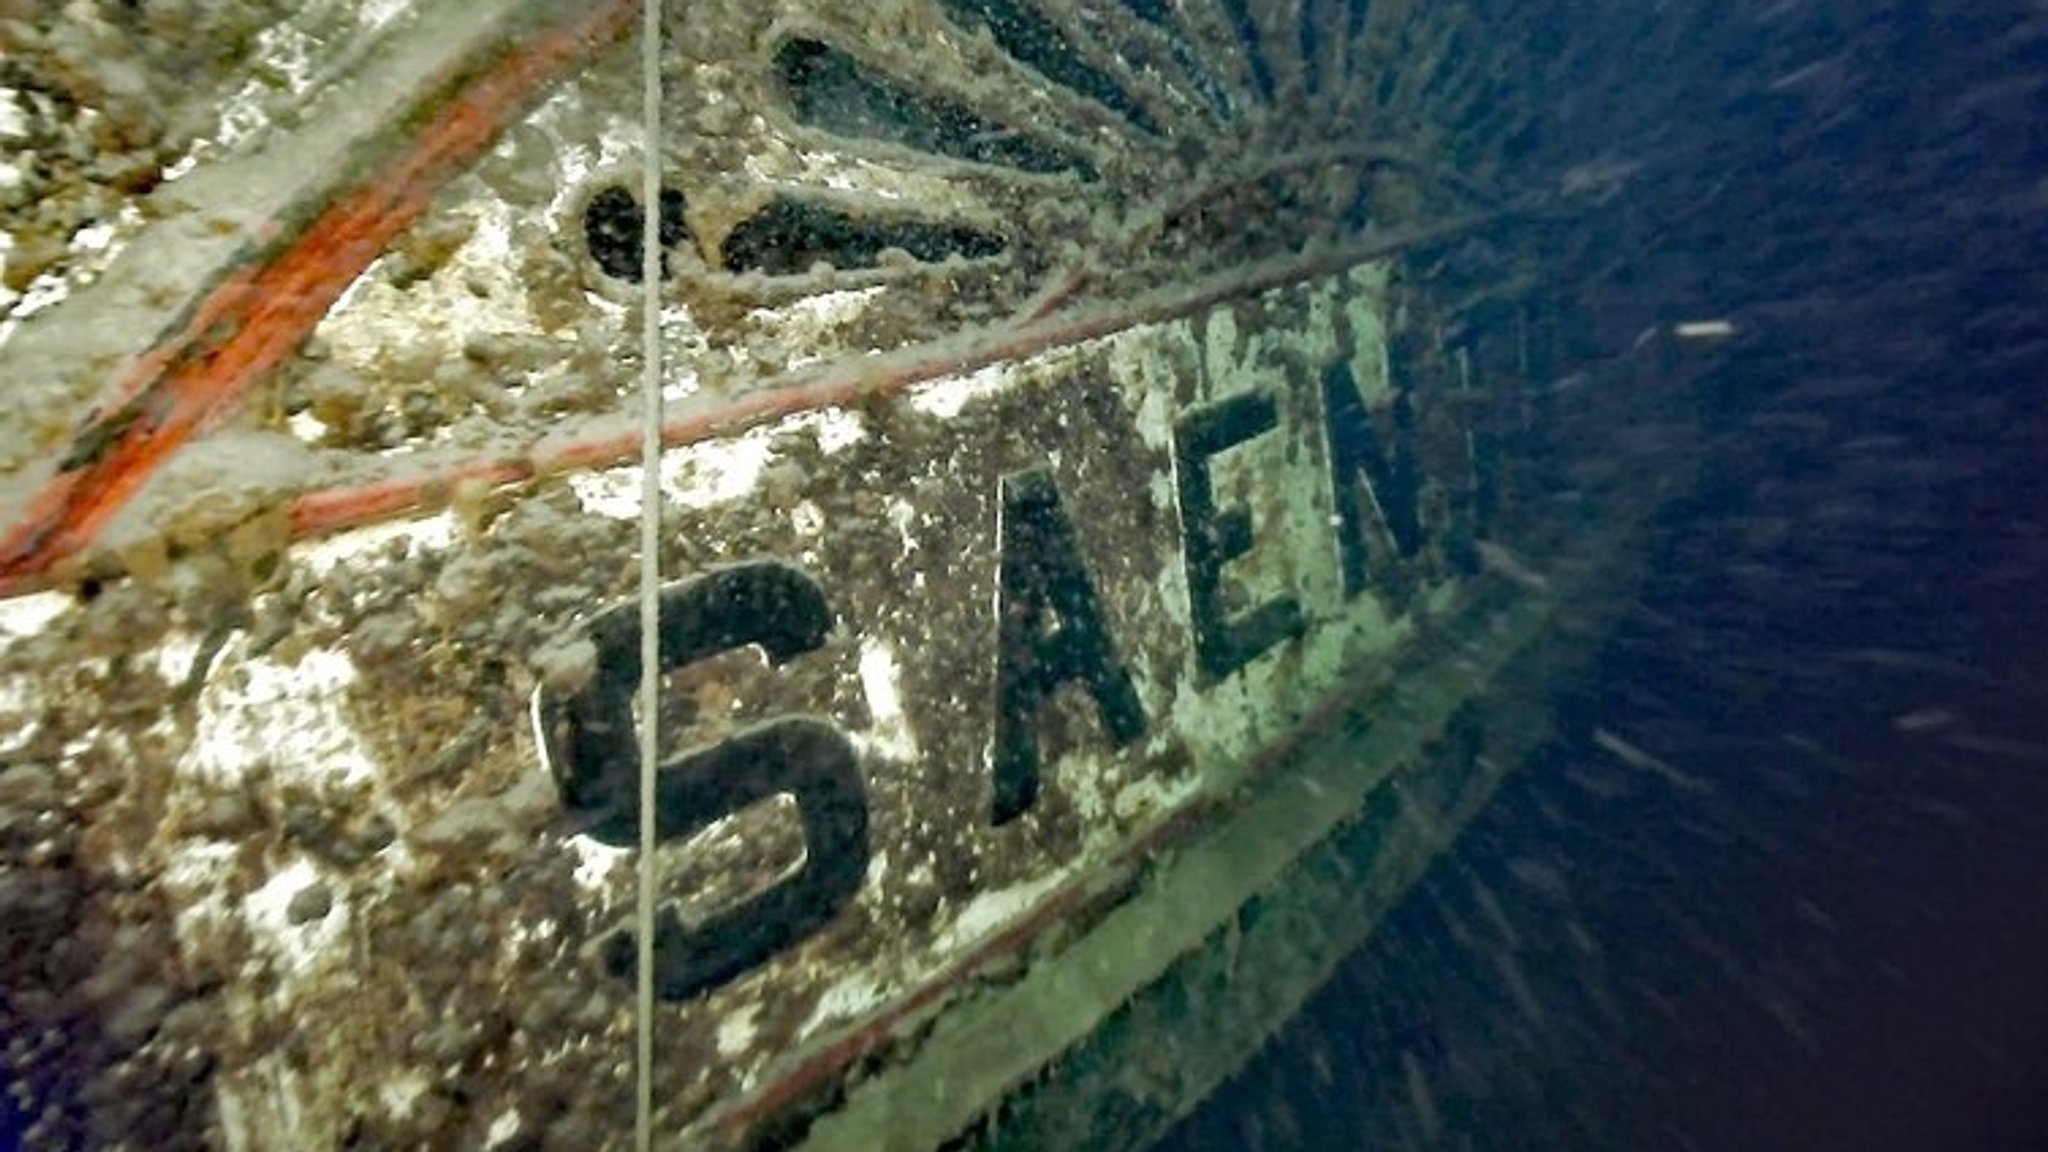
1832	930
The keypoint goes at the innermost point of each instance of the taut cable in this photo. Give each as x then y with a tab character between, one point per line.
650	568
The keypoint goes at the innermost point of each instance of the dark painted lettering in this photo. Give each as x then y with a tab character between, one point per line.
593	751
813	762
1212	537
1374	488
1393	526
612	224
1050	632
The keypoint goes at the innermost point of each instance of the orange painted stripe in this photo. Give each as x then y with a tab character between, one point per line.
257	317
842	383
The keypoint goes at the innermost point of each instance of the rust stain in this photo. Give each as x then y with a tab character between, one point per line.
846	383
249	323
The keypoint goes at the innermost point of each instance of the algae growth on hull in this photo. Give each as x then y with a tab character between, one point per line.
1067	431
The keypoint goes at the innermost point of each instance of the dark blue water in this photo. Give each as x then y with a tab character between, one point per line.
1835	936
1841	941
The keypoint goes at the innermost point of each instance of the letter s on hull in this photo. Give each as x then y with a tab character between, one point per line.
593	754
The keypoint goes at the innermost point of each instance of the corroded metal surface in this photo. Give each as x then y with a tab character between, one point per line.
841	185
1059	421
341	809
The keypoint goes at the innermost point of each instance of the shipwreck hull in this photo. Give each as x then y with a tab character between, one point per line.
1116	533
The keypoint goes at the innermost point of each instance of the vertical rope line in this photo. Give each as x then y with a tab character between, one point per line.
650	568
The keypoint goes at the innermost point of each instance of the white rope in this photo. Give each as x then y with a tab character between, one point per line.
650	567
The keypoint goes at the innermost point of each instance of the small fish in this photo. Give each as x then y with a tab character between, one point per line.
1635	757
1600	179
1497	559
1829	72
1902	660
1704	330
1923	719
1998	746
